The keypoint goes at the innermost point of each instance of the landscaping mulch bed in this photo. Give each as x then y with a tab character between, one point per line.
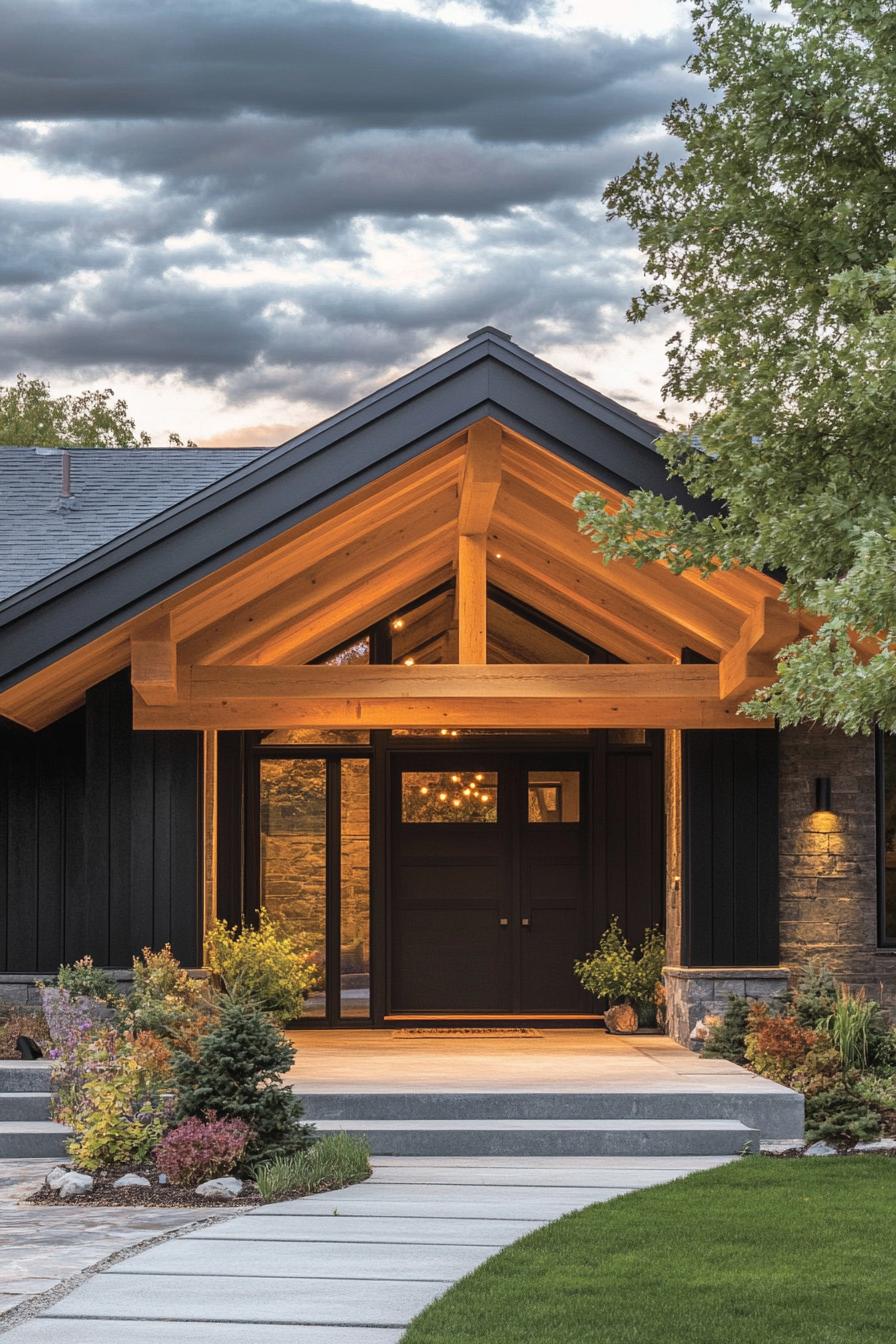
136	1196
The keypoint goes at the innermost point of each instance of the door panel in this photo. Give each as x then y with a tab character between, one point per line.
489	915
450	951
554	887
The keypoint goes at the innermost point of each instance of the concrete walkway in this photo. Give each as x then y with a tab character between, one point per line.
352	1267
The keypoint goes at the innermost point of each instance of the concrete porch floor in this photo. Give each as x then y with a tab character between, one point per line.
576	1061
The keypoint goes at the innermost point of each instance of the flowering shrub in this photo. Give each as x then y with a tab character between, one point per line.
85	979
166	1000
110	1100
199	1150
265	967
776	1045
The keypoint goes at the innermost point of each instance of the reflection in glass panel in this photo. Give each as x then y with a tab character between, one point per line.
887	745
317	737
553	796
294	857
627	737
354	939
449	796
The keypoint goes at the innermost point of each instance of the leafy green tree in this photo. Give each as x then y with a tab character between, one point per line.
772	239
31	418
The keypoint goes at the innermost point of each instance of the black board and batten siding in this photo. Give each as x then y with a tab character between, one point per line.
100	838
730	835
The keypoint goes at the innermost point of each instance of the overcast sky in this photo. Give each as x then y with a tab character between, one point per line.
244	214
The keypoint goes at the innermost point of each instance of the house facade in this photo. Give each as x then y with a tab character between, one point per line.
376	682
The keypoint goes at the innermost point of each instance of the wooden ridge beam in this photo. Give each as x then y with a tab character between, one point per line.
553	695
751	663
154	662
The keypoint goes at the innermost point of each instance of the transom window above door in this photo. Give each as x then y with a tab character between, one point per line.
449	796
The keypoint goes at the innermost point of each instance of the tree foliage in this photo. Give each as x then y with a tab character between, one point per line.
772	238
31	418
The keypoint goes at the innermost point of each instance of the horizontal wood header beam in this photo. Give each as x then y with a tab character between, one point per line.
550	695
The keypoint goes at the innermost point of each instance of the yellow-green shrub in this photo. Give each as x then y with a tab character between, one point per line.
264	966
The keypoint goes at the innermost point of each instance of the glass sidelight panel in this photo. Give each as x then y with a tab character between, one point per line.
553	796
354	879
448	796
294	857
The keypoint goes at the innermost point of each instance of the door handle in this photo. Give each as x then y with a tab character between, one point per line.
525	921
503	920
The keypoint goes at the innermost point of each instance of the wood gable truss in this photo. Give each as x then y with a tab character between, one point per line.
484	510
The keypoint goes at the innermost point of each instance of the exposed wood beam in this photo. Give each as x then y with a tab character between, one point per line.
560	695
471	598
751	663
399	539
479	486
154	662
480	478
586	619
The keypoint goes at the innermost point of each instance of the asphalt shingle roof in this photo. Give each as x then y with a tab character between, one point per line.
113	490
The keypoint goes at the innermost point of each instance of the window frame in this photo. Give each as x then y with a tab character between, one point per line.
884	940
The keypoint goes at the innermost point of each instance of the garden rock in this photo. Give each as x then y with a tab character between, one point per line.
879	1146
222	1187
622	1018
57	1176
75	1183
820	1149
130	1180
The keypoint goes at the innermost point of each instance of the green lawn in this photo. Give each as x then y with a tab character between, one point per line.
759	1252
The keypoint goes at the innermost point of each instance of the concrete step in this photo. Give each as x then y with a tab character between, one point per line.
775	1111
32	1138
18	1075
550	1137
24	1106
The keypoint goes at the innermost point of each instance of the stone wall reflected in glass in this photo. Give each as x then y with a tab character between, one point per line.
294	858
354	939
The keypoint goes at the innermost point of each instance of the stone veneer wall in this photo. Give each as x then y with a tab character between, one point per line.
827	884
828	861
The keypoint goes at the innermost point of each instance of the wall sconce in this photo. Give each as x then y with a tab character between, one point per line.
823	794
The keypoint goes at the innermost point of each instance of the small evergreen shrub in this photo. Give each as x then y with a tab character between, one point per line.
266	966
815	996
236	1073
199	1150
83	979
839	1115
330	1163
727	1040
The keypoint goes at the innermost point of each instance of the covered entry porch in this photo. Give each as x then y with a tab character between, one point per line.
265	698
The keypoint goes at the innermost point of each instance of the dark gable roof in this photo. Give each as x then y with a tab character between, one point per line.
486	375
113	491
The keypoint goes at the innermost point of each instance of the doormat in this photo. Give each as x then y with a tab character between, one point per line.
466	1031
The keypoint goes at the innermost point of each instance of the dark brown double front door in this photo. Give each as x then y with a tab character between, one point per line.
491	900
